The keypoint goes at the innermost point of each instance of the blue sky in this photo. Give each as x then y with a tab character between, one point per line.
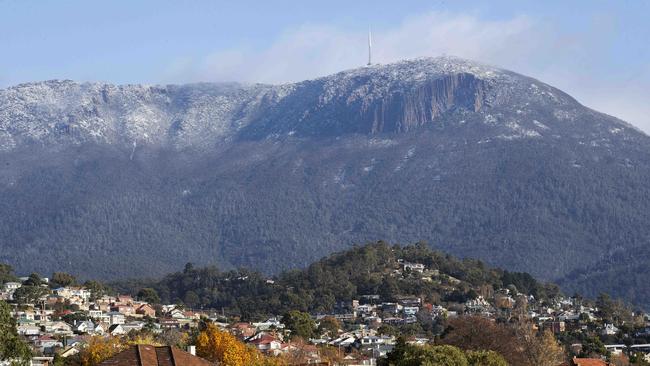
595	50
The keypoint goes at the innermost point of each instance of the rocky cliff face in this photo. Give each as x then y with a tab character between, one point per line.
109	181
406	111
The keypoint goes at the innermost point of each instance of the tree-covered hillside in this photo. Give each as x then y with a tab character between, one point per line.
372	269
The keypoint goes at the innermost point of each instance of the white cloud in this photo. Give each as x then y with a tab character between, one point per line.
522	44
316	50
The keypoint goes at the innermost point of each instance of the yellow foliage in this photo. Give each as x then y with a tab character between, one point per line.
99	349
270	361
144	339
219	346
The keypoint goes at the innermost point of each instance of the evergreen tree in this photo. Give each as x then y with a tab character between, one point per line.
300	324
12	347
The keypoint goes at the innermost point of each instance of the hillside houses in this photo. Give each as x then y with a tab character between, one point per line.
362	326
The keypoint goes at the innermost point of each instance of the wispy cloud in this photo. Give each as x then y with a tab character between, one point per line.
522	43
315	50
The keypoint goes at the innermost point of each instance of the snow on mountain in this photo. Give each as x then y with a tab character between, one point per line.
368	100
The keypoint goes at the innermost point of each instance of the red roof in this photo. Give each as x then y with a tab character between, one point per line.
265	339
589	362
145	355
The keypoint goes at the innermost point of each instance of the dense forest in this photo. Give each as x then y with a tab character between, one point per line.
363	270
477	203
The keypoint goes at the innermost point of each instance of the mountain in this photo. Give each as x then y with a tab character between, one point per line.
112	181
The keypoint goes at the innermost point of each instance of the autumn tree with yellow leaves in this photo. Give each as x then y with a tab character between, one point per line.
220	346
99	349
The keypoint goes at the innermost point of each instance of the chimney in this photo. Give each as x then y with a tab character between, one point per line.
191	350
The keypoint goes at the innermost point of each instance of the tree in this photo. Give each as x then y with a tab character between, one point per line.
29	294
540	349
62	279
189	267
398	353
222	347
433	355
74	317
149	295
387	329
143	336
300	324
96	289
411	329
519	345
191	299
7	274
12	347
485	358
613	311
173	337
477	333
99	349
34	279
329	326
592	347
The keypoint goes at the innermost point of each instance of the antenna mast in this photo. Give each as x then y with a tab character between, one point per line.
369	47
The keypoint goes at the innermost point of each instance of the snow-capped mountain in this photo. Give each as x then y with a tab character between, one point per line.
108	181
390	98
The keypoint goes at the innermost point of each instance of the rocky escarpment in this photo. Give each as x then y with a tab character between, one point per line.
394	98
403	111
385	108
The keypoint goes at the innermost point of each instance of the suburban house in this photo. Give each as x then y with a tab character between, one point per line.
267	343
609	329
412	267
84	327
146	310
116	330
116	317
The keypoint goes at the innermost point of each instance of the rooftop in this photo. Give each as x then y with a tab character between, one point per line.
145	355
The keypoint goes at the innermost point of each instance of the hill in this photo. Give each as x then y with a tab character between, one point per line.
111	181
374	269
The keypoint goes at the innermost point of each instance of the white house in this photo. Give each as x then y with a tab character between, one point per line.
100	329
615	349
137	325
609	329
12	286
9	288
95	313
116	318
116	329
28	330
413	267
58	328
410	310
84	327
